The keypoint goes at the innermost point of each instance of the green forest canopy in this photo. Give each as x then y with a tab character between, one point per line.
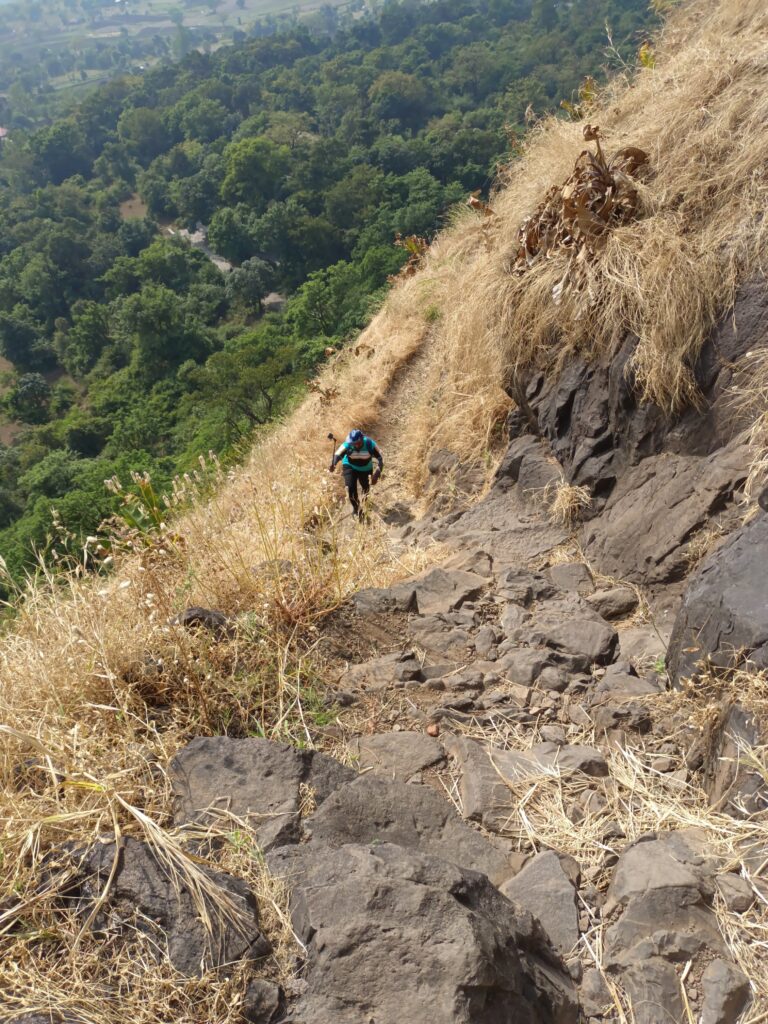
304	154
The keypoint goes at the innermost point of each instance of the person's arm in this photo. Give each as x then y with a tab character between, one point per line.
376	452
337	456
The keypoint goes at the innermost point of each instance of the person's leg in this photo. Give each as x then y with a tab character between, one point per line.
365	483
350	482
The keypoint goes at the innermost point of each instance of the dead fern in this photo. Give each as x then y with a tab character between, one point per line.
579	215
417	248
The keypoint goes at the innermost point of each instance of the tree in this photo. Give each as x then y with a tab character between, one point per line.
255	169
30	399
248	284
143	132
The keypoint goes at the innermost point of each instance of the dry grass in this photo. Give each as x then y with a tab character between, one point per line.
638	799
98	690
700	113
750	404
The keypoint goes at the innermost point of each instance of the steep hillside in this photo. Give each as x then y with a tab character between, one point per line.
545	651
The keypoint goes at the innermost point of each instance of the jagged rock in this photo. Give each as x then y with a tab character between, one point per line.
512	621
519	586
736	892
613	603
393	935
485	641
661	889
378	673
259	781
656	507
143	896
440	637
544	889
726	993
724	614
375	810
261	1003
47	1017
594	994
622	686
653	988
444	590
383	600
486	796
205	618
597	422
587	641
523	665
508	471
572	577
731	781
628	715
446	465
399	755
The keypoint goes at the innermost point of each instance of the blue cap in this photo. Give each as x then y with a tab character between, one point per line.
355	436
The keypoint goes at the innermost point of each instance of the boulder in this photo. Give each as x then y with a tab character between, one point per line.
738	895
724	614
444	590
642	533
440	637
588	641
544	889
393	935
732	781
572	577
143	896
374	810
659	903
257	780
384	600
614	602
399	755
726	993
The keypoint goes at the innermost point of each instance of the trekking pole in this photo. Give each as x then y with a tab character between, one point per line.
335	442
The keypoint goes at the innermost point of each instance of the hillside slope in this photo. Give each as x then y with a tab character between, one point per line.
568	526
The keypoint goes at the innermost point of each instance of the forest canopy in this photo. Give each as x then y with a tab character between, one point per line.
304	154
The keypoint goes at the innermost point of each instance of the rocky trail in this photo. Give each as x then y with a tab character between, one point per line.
532	798
529	817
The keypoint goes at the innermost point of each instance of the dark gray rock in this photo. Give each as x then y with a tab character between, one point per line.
384	600
656	508
205	618
488	773
724	614
736	892
572	577
257	780
653	988
393	935
373	810
726	993
380	673
593	415
444	590
519	586
262	1002
544	889
399	755
659	901
594	994
508	472
524	665
143	896
613	603
732	781
440	637
588	641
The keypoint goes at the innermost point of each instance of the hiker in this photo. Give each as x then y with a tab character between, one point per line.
356	455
